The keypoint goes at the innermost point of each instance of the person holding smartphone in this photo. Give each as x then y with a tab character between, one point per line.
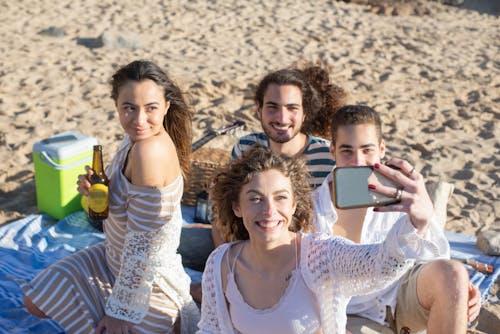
270	277
434	295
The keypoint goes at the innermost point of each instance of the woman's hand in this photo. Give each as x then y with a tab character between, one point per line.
415	200
83	181
113	326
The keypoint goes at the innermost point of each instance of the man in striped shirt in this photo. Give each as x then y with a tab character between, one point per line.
291	105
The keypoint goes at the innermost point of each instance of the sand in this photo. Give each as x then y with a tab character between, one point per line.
431	70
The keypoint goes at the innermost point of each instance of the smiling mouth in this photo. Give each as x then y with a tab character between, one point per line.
280	127
269	225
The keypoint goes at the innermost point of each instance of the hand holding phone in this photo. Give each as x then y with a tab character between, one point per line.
351	190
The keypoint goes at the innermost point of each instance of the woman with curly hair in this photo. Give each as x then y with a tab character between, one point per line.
271	278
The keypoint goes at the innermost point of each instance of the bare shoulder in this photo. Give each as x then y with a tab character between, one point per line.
154	161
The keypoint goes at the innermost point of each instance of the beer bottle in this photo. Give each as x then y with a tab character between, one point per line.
98	192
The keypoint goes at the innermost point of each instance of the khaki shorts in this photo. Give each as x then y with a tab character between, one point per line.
409	312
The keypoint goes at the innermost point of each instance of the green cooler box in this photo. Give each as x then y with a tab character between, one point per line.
58	162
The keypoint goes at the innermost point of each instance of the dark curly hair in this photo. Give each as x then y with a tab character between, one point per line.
177	122
231	179
320	98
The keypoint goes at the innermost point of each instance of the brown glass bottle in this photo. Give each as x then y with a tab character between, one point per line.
98	192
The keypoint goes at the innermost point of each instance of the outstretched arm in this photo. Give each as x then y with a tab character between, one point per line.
364	268
360	269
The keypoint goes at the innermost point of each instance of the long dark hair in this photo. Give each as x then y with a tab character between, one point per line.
320	97
177	122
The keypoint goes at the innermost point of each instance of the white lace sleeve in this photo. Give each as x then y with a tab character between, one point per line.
360	269
140	261
214	313
151	242
435	236
209	322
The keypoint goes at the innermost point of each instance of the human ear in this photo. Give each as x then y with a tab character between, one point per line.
332	150
167	106
236	209
382	148
258	110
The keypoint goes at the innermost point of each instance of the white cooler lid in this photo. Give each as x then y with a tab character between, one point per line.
65	145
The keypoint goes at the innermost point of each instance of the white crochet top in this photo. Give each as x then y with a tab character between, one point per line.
142	237
376	225
333	268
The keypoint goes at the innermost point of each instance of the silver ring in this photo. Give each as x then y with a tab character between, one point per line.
398	194
411	172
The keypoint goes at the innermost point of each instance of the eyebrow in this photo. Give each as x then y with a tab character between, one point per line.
271	103
133	104
279	191
362	146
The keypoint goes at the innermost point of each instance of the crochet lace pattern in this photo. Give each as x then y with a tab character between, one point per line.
333	268
150	220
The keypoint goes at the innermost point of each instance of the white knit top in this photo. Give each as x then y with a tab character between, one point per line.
333	268
376	225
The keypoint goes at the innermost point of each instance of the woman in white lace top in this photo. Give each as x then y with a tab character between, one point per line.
271	279
133	282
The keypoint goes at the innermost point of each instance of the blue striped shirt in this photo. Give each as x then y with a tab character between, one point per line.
317	153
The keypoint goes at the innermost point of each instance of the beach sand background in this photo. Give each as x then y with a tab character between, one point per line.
431	70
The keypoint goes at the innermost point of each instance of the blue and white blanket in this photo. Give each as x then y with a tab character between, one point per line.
31	244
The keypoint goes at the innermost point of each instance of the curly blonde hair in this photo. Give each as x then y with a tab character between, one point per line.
231	179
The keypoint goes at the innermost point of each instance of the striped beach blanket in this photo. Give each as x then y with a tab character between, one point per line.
31	244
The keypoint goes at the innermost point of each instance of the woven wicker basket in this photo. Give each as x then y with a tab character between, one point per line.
204	163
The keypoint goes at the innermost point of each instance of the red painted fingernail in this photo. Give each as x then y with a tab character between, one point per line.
372	186
377	165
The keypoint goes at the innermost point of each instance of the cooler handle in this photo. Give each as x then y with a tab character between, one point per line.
47	159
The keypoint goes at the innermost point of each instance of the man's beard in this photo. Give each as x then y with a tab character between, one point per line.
280	139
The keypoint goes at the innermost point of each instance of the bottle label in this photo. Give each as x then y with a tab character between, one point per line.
98	197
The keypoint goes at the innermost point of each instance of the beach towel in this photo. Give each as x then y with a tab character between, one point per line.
30	244
463	246
33	243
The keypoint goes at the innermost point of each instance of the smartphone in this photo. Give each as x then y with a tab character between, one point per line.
351	187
